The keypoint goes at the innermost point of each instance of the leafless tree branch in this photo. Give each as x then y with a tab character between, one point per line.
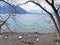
8	28
58	7
53	2
5	20
11	6
6	24
45	11
48	2
53	7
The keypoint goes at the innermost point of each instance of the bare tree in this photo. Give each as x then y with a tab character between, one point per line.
52	4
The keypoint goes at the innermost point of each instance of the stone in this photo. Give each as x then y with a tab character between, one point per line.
30	39
37	39
6	37
0	35
19	37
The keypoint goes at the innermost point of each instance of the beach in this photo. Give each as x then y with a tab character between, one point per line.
28	38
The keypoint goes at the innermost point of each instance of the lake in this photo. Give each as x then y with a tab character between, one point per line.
29	23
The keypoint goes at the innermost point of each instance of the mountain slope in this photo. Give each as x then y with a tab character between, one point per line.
6	9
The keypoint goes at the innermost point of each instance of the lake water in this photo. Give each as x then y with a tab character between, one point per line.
29	23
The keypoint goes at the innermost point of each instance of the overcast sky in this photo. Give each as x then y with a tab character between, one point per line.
30	6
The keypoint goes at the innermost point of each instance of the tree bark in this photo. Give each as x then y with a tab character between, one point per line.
58	21
58	24
0	28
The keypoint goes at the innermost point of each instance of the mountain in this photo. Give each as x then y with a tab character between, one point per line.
7	9
38	12
42	11
20	10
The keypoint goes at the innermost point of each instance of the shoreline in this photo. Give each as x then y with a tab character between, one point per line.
27	38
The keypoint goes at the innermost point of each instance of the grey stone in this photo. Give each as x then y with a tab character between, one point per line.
29	39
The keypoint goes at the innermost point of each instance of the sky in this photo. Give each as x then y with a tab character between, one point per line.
31	6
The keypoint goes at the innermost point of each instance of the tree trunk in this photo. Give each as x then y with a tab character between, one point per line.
58	24
0	29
